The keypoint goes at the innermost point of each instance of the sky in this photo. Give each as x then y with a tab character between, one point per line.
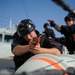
39	11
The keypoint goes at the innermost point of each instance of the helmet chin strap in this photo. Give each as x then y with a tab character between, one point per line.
18	33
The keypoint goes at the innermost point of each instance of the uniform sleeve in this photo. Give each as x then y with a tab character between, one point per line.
50	43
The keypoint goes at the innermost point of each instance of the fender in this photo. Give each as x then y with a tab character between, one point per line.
47	62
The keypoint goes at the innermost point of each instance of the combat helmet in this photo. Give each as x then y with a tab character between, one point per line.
25	27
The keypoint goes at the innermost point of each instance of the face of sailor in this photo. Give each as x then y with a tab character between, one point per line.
69	22
30	36
48	27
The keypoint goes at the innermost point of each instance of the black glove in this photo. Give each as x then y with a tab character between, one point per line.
52	24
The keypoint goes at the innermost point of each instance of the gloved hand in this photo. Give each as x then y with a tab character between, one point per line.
52	23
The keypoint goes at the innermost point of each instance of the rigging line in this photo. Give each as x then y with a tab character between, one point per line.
6	18
25	8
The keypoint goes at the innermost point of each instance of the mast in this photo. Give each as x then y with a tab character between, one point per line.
11	24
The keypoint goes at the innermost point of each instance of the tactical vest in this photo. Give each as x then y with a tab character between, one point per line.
70	39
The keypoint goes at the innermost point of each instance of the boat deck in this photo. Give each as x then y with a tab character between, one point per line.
6	65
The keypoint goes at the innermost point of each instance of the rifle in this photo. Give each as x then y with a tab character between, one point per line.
65	6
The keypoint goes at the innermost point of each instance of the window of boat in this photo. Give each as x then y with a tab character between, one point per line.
8	38
0	37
